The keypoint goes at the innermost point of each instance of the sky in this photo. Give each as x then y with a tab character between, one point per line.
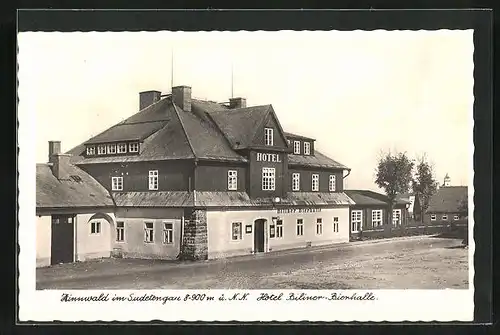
358	93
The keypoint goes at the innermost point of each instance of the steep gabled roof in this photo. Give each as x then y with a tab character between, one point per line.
447	199
77	191
240	125
369	198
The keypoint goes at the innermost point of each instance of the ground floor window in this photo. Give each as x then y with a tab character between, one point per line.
319	226
335	224
148	232
444	218
456	217
279	228
236	231
95	227
376	218
168	232
396	217
433	217
356	219
300	227
120	231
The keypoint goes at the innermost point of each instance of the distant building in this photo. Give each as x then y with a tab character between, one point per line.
370	209
445	205
415	208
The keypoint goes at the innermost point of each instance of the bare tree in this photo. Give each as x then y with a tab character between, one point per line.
394	176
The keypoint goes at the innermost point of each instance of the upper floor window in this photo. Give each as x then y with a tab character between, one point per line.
111	148
296	147
133	147
269	138
91	150
315	182
101	149
307	148
232	180
295	181
117	183
153	180
122	148
331	183
268	179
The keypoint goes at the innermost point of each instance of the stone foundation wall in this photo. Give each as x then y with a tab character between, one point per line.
195	241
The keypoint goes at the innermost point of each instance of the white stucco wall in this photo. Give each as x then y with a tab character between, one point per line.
219	223
43	237
89	246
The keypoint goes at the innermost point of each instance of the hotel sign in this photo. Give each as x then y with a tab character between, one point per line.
298	210
263	157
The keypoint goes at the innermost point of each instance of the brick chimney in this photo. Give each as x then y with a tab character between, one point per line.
181	96
147	98
237	103
58	161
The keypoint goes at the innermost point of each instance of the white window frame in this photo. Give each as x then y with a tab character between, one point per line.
121	148
397	222
295	181
95	227
149	233
268	179
332	183
91	150
356	220
236	231
433	217
444	217
279	228
315	182
335	224
111	149
319	226
232	180
117	183
296	147
269	136
168	232
101	149
153	180
133	147
307	148
456	217
299	227
120	231
377	218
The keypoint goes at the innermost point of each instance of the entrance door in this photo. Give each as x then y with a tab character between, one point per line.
62	239
258	237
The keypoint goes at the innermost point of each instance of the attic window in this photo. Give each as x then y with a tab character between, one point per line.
122	148
269	138
133	147
101	149
111	148
78	179
91	150
307	148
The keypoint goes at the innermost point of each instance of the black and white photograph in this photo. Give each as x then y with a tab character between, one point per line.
307	161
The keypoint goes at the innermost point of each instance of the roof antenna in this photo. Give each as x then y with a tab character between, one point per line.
232	80
172	71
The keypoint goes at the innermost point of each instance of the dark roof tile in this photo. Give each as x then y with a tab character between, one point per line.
317	160
447	199
368	198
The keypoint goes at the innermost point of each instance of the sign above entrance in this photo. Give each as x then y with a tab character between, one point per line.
298	210
264	157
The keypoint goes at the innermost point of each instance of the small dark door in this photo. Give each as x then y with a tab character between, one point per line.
62	239
258	237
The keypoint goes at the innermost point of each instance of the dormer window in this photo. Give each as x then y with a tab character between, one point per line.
268	136
91	150
296	147
101	149
122	148
111	148
133	147
307	148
